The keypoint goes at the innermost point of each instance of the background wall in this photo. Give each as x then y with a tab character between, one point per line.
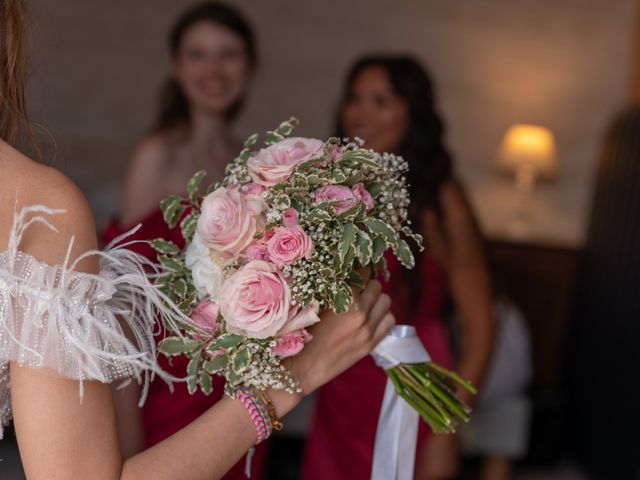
566	65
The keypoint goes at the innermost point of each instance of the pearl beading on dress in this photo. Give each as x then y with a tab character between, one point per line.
70	323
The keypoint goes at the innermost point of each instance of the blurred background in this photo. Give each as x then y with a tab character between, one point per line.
566	66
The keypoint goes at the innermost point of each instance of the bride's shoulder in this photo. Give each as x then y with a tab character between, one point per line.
26	183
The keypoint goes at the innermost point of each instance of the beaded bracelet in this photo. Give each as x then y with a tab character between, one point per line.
258	410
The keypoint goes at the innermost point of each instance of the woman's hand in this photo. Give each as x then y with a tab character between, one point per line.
340	340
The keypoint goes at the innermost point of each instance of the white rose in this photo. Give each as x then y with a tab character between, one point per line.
207	275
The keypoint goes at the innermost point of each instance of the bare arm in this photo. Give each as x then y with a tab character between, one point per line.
131	433
455	241
61	438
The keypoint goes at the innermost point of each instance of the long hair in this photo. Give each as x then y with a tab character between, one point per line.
13	70
423	145
174	107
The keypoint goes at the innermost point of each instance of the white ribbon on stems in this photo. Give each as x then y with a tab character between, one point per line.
394	453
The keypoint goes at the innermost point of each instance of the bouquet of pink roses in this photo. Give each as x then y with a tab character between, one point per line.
277	241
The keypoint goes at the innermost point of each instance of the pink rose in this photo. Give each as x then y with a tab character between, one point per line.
289	244
253	188
258	251
363	195
300	319
275	163
205	316
290	217
336	193
291	343
256	300
230	220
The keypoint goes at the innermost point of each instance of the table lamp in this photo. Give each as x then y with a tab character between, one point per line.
527	152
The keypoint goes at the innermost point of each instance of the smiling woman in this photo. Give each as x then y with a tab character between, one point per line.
213	56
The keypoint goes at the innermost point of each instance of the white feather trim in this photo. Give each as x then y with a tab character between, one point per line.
78	325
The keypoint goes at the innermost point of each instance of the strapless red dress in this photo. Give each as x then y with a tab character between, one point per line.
164	412
341	439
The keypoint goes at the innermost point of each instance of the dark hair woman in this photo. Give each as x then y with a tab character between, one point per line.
389	103
63	328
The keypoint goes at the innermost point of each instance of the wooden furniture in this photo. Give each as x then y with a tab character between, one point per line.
540	280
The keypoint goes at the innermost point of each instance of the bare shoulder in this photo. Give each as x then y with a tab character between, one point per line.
145	181
454	199
25	182
153	148
458	217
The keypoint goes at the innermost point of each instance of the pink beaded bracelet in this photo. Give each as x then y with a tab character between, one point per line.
258	411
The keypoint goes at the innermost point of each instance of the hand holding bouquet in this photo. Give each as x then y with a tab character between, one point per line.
285	235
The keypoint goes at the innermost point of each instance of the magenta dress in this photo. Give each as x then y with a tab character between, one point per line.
164	412
341	439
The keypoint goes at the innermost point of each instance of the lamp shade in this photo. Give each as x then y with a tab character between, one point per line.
528	146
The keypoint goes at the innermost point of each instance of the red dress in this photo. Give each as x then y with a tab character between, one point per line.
342	436
164	412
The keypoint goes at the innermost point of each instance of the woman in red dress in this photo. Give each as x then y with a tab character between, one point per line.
389	103
213	56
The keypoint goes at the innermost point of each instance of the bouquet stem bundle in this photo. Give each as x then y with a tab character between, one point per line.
431	391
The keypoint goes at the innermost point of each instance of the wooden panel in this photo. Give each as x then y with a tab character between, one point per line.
540	281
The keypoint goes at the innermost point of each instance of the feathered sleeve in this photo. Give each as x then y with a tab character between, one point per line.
77	325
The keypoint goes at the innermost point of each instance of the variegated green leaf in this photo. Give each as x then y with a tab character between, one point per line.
225	341
216	364
375	189
382	267
170	264
404	254
338	176
180	287
205	382
241	360
318	215
379	228
272	137
353	213
172	209
346	240
342	298
177	346
188	226
379	246
251	141
364	247
287	127
194	185
356	279
347	263
165	246
245	154
360	157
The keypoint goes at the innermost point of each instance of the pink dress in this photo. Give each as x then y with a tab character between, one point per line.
341	440
164	413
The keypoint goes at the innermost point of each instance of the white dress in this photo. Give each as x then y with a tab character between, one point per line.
73	324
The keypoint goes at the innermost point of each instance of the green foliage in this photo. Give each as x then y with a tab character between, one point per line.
193	187
225	341
241	360
172	346
166	247
216	364
172	209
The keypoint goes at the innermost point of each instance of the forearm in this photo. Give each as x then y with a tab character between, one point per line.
471	291
208	447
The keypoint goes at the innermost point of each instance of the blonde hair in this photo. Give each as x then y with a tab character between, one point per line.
13	71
